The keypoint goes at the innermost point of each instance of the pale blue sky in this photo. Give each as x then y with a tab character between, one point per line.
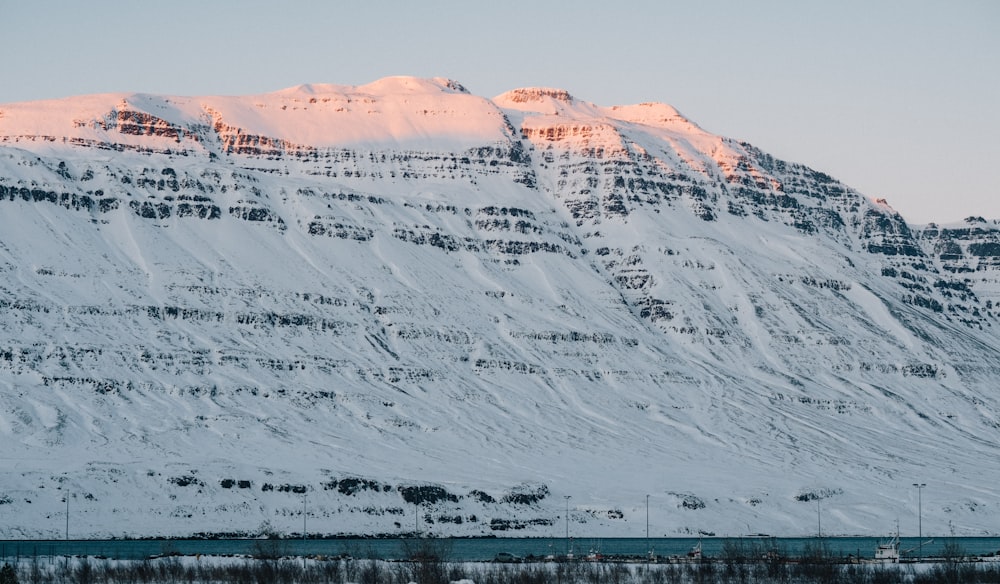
899	99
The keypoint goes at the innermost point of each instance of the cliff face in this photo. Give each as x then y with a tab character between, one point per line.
401	298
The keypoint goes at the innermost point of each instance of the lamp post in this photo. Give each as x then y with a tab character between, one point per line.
649	552
567	525
920	520
305	497
819	521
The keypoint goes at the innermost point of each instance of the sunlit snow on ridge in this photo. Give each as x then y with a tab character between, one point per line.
210	304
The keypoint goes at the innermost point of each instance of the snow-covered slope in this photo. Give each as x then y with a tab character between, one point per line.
406	307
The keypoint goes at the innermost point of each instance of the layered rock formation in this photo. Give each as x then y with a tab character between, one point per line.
402	298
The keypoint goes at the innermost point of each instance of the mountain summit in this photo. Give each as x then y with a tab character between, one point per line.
403	298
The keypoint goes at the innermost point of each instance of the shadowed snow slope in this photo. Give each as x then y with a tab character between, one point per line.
402	298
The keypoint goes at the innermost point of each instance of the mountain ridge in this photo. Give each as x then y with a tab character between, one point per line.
432	299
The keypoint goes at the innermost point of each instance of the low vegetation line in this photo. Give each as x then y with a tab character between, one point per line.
434	570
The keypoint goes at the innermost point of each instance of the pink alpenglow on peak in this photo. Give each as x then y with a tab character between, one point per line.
537	94
395	112
654	114
399	292
542	100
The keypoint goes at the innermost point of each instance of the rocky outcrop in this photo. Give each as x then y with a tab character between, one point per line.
401	298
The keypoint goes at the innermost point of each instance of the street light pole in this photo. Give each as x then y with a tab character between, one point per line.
649	552
567	525
920	520
305	497
819	521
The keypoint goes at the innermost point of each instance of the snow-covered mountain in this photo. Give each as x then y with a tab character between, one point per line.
403	307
